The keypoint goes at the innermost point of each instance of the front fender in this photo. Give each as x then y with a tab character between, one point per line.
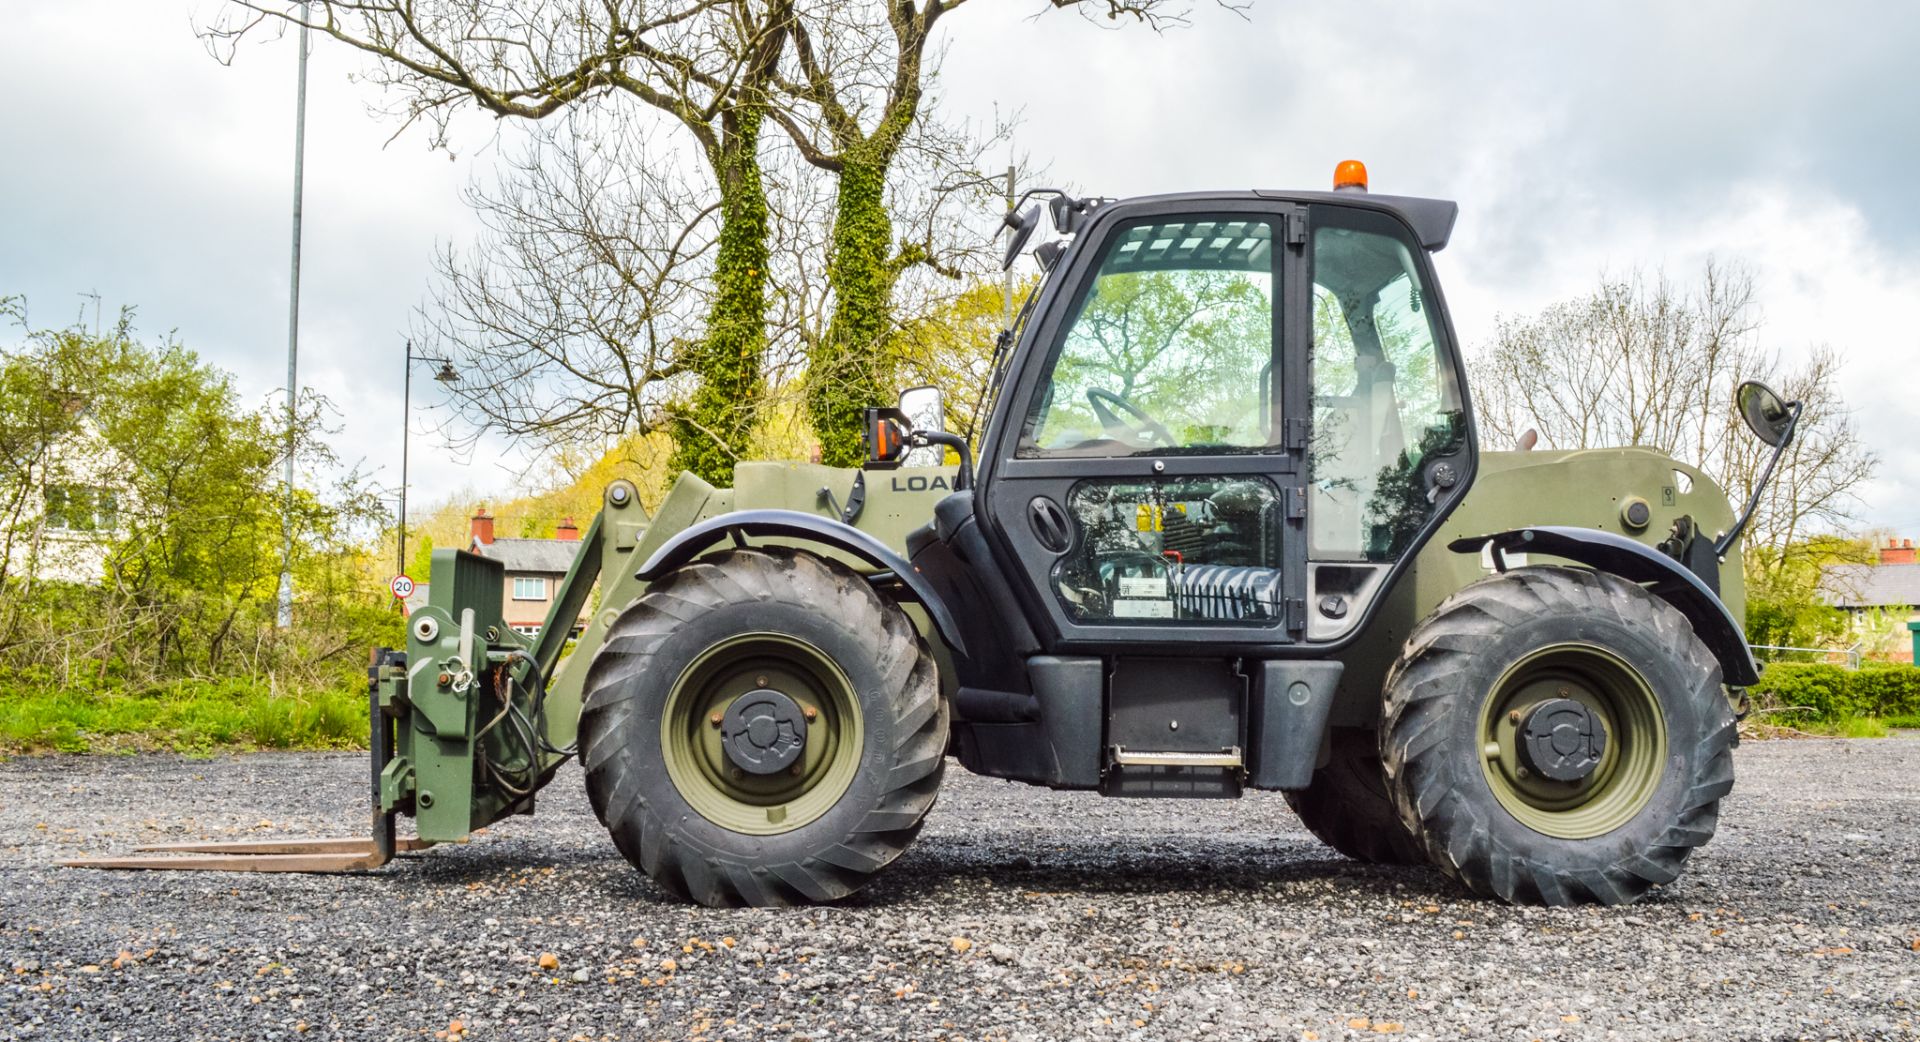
806	528
1639	563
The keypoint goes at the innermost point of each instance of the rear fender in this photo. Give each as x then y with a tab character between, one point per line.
1636	562
792	526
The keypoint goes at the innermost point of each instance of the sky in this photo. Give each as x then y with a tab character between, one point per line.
1578	139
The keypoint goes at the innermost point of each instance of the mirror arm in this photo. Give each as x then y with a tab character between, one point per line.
1721	546
962	480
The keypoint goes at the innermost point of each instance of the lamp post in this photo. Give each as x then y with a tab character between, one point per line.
446	375
285	616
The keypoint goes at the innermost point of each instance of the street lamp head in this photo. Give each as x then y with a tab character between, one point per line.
446	375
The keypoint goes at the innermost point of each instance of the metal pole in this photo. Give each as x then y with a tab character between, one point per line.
1006	288
293	327
406	429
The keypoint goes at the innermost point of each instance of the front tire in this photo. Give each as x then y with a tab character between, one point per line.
1346	805
762	728
1556	735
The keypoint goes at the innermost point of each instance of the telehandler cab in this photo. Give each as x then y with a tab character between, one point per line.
1230	528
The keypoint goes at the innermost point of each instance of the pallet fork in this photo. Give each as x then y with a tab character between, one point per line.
293	855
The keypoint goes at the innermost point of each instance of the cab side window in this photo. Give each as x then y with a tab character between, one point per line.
1384	398
1169	351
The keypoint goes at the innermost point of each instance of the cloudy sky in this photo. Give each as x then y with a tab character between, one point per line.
1577	138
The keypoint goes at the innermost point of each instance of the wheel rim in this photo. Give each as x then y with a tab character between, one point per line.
782	789
1585	680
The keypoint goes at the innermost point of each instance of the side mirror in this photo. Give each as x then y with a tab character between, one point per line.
1023	225
886	438
926	412
926	408
1770	419
1773	422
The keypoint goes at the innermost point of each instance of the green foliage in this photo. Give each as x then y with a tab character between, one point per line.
1828	693
163	616
715	428
1860	727
950	346
1785	607
180	715
853	366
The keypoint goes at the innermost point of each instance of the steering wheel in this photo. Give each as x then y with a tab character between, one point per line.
1104	402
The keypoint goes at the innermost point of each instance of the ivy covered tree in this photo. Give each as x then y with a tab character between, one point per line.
704	64
848	81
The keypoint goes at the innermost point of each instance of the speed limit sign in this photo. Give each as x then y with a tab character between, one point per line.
401	585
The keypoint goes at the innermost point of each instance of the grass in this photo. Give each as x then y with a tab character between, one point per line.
1798	725
1856	727
183	716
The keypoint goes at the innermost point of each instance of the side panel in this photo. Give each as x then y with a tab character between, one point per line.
1589	488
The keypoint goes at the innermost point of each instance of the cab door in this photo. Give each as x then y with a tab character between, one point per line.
1146	475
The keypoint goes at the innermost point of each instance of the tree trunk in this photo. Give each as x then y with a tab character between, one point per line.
716	427
852	368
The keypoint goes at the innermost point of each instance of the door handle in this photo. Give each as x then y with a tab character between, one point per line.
1050	524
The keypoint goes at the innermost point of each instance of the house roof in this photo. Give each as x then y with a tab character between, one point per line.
549	556
1871	585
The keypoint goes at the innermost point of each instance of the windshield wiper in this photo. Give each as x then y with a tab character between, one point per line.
1002	350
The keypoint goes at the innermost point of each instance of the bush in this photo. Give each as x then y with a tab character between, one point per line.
1888	689
1831	693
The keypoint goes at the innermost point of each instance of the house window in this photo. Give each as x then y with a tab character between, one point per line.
529	589
526	629
82	508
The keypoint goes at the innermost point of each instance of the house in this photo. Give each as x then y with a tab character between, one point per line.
1890	587
75	511
534	568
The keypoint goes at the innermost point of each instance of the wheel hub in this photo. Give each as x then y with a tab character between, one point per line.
1562	739
763	732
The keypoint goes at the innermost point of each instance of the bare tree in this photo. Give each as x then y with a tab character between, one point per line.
849	97
1642	361
573	316
704	64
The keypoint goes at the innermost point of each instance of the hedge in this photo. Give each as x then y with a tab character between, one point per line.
1833	693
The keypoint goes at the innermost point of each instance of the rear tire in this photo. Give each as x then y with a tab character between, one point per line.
1518	651
841	772
1346	805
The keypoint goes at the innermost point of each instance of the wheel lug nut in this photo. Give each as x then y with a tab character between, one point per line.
738	774
715	719
794	770
1522	772
1513	716
811	712
760	681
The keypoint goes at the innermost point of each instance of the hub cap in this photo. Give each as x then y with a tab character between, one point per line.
1573	741
1562	739
762	733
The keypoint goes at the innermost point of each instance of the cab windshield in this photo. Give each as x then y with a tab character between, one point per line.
1170	348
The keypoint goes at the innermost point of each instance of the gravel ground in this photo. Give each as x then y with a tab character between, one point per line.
1020	914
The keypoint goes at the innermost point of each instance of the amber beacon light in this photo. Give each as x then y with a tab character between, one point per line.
1350	175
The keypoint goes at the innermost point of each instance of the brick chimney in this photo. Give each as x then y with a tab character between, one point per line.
481	526
566	531
1897	551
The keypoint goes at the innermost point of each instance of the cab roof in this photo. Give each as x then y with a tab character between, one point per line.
1431	219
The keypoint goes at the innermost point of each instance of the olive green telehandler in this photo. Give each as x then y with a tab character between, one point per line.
1230	527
